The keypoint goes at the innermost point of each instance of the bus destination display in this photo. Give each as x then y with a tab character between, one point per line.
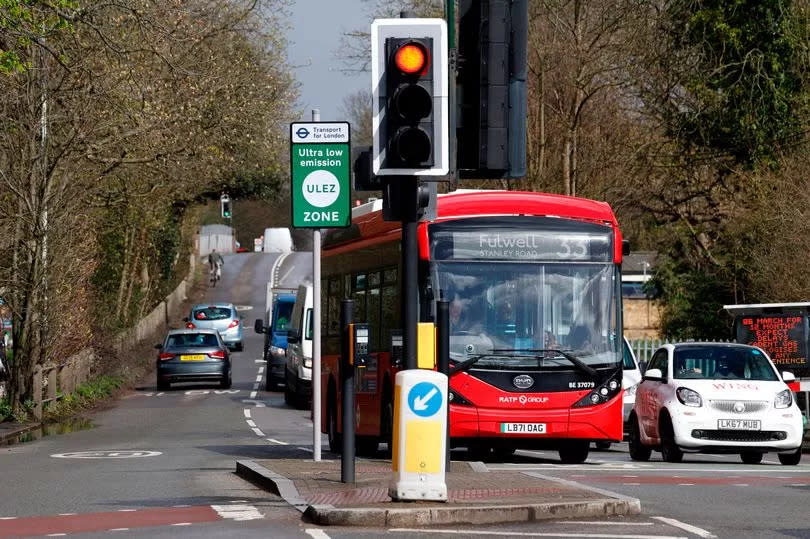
782	336
522	245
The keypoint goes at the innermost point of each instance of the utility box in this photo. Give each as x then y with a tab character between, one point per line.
419	437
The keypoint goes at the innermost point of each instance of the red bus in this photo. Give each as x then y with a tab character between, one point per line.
534	286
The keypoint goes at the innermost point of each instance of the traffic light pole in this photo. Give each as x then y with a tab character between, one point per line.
410	267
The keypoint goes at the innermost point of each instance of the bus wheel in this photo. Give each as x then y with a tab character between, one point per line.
335	441
574	451
367	445
387	426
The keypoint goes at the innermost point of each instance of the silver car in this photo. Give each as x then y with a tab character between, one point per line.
193	355
219	316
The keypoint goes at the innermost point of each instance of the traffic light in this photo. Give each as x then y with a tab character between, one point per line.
492	88
225	206
409	85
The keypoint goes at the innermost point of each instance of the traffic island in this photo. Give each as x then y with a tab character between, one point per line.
474	495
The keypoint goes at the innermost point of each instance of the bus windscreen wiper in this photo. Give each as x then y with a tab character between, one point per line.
466	364
581	365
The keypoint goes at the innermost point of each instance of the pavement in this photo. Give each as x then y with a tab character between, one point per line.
475	495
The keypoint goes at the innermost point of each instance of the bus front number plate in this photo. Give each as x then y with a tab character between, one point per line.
523	428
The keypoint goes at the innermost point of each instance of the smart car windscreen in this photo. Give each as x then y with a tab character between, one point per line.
722	363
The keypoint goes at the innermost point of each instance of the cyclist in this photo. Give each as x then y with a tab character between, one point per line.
215	263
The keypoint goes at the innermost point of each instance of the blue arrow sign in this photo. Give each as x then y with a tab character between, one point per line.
425	399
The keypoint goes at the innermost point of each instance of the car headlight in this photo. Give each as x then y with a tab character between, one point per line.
277	351
783	399
689	397
308	362
630	391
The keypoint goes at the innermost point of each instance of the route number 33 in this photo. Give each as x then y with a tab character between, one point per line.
573	248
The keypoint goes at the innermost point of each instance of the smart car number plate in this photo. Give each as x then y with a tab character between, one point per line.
739	424
195	357
523	428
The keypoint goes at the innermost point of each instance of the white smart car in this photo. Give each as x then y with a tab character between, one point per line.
715	398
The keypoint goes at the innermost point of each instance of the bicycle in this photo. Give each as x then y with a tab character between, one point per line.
215	273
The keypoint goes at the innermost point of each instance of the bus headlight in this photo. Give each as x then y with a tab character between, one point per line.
601	394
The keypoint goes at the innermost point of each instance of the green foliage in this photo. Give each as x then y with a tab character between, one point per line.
743	80
27	21
100	388
6	413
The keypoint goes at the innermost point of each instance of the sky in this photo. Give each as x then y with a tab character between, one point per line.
314	35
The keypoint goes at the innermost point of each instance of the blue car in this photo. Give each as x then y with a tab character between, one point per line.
275	348
221	317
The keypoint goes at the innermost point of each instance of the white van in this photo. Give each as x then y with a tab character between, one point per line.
277	240
298	370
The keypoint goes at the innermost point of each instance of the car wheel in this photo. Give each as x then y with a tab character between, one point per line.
239	346
751	457
574	452
162	385
480	452
602	446
669	450
638	451
335	440
791	459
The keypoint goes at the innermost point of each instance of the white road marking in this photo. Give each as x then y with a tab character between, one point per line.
631	484
315	533
254	394
119	530
259	361
247	413
238	501
259	378
258	432
530	534
603	523
261	371
184	505
279	442
740	484
256	385
250	423
56	535
700	532
127	510
307	449
798	484
8	518
67	514
257	404
237	512
686	484
635	468
182	524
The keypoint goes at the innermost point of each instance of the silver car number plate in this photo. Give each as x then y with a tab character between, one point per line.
739	424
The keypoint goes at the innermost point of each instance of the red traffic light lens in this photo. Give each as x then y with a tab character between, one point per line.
411	58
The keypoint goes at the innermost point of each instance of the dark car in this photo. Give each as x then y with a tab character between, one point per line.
193	355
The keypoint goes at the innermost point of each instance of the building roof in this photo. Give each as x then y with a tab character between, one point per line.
639	262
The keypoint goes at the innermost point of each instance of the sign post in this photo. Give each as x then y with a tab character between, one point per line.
320	169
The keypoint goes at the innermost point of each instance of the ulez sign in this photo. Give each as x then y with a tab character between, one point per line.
320	170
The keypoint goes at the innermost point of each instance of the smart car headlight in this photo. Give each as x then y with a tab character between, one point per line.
783	399
689	397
